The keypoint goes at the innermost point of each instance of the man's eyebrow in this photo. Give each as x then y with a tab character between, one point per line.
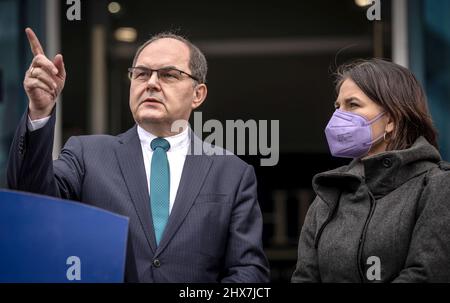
163	67
168	66
141	66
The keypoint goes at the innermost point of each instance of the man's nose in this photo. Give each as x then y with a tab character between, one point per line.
153	81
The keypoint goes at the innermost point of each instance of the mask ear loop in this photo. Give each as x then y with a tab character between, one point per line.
378	117
380	137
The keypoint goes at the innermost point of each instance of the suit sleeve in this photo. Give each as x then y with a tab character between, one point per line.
429	250
32	169
245	260
307	269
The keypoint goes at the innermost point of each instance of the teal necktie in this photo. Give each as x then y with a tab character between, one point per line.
159	185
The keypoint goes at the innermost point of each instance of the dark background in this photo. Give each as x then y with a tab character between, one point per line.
267	61
293	85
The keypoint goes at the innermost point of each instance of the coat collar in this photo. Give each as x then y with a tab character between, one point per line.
383	172
195	170
387	171
130	158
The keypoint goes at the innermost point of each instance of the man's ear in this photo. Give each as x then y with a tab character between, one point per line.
200	92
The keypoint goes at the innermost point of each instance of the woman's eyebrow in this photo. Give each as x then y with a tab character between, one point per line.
352	99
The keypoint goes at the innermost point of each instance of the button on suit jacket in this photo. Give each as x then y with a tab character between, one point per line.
214	232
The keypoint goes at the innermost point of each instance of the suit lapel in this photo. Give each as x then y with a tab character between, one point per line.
195	170
130	158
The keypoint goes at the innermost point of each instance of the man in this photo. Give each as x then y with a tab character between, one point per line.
193	218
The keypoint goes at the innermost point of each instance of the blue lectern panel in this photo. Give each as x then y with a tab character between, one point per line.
45	239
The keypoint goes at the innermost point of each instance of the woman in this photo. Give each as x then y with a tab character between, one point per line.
386	216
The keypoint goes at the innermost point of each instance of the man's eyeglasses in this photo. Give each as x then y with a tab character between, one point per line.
165	74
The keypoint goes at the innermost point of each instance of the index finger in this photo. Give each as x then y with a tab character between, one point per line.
35	45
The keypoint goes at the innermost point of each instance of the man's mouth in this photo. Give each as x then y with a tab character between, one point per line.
151	101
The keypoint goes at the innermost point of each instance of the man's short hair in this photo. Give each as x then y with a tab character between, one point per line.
197	60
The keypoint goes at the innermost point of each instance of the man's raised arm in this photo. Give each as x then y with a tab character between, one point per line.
44	80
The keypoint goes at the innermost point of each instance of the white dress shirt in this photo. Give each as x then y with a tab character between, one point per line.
176	155
37	124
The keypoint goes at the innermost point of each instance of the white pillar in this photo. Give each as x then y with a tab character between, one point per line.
400	48
98	81
53	47
280	231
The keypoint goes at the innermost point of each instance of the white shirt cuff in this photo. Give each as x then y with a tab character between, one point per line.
36	124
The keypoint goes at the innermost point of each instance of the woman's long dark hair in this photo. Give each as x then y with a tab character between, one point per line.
397	90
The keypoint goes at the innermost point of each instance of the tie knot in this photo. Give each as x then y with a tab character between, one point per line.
160	142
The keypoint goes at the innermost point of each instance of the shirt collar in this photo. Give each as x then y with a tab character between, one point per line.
176	142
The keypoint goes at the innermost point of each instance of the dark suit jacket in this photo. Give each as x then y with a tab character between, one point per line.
214	232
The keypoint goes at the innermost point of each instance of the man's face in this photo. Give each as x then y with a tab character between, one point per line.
156	103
